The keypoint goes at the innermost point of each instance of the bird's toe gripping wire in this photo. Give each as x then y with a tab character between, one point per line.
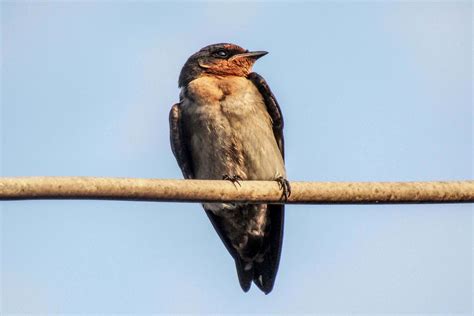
285	187
234	179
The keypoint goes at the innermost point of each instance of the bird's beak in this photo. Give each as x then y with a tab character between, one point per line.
252	55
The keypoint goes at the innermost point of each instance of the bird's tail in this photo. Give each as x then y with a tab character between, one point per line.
265	271
264	275
245	274
263	268
261	273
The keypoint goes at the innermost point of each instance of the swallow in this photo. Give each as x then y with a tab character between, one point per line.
228	125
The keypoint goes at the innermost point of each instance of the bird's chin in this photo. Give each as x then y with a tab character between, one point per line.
236	71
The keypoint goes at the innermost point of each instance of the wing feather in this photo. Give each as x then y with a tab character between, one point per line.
178	142
266	271
273	108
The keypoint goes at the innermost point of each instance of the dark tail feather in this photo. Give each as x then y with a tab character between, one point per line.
263	276
265	272
245	276
254	245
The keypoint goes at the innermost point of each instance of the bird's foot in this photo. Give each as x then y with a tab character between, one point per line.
233	179
284	185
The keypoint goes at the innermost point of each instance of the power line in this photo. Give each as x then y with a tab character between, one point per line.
138	189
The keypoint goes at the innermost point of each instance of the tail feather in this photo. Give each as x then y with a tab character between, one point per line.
245	276
264	274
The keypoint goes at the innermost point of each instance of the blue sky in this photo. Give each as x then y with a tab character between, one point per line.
370	91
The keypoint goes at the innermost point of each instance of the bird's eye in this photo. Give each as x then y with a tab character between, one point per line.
221	53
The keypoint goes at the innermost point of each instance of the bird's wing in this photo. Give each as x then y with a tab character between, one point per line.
272	107
265	272
181	151
178	142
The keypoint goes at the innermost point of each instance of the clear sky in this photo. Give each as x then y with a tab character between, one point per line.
370	91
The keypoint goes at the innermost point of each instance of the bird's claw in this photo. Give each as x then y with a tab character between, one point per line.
284	185
233	179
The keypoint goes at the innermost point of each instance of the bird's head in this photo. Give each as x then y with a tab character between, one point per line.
219	60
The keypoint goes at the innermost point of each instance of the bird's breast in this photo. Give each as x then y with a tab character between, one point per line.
230	130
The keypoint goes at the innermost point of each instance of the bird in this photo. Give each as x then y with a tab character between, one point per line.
229	125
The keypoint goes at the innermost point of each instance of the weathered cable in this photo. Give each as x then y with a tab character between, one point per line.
24	188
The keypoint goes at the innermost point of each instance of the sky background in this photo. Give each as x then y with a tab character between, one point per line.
370	91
